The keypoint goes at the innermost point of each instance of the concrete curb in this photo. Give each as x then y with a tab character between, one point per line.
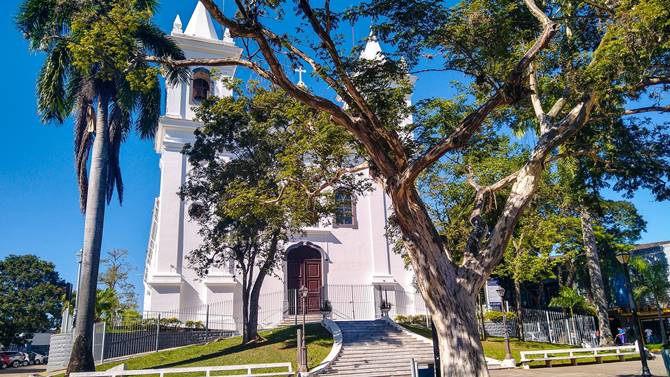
334	329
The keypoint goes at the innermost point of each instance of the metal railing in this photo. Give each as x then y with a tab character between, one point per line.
156	331
151	246
558	327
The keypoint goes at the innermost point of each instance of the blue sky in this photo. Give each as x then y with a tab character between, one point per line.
39	209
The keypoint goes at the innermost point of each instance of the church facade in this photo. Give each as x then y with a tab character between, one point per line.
349	262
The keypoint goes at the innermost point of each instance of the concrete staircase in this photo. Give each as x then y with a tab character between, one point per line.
377	349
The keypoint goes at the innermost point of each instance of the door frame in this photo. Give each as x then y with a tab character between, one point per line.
324	268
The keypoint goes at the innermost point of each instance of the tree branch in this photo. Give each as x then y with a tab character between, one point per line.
471	123
535	99
389	136
368	136
214	62
647	109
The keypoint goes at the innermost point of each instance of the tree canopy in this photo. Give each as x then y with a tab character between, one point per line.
264	167
31	299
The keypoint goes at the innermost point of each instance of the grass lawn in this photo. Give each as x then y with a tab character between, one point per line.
494	347
279	346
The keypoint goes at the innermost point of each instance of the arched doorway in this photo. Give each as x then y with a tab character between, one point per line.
304	269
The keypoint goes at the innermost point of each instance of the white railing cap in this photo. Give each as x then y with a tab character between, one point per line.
141	372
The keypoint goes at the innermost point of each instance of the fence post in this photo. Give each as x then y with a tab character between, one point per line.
158	329
295	310
102	346
551	338
353	309
207	324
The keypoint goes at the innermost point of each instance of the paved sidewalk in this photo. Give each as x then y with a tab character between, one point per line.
613	369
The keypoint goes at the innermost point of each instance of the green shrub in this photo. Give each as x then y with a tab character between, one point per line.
419	319
170	322
194	324
402	319
495	316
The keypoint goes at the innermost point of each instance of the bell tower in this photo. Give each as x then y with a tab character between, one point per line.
172	236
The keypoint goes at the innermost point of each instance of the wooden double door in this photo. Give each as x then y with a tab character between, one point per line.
304	270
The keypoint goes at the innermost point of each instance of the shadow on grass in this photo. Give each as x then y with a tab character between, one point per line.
285	336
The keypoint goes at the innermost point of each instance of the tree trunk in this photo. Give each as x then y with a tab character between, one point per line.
450	301
252	319
245	308
597	289
81	359
461	351
519	312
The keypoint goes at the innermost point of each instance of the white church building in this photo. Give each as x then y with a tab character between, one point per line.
349	262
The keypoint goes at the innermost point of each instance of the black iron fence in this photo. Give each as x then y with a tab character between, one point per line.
150	334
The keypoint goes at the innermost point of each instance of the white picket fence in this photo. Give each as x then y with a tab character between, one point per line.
254	370
558	327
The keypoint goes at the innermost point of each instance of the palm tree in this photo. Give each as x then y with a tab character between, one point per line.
95	71
568	298
650	280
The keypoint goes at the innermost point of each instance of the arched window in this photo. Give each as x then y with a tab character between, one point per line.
201	85
345	213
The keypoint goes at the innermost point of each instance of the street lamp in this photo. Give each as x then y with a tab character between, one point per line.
509	361
624	257
302	346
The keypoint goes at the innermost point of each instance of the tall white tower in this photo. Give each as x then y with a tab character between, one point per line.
172	236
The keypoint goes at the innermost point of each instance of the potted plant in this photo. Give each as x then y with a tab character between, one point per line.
385	308
326	309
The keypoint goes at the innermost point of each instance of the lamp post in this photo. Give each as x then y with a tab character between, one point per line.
624	257
509	361
302	346
80	254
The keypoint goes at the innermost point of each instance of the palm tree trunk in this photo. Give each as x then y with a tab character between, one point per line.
81	359
597	289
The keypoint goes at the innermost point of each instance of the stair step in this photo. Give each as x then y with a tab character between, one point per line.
377	349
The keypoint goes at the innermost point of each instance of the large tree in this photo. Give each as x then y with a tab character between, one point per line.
31	299
264	166
115	277
94	70
552	68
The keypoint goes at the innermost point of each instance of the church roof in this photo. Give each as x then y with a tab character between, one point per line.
372	51
200	25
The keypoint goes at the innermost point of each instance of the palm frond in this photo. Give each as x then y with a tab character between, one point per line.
41	21
148	112
119	126
151	5
155	42
52	103
83	95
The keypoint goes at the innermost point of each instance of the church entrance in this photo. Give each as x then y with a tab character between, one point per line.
304	269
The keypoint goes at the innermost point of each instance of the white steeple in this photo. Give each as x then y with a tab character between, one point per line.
227	37
372	51
177	25
200	25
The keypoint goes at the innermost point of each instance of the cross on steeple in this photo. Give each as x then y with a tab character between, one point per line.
300	71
